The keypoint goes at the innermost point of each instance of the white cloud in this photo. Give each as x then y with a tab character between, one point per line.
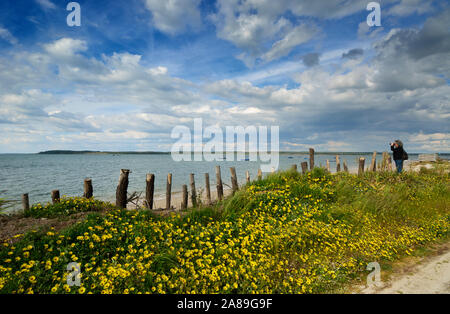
6	35
435	142
251	25
254	25
247	31
295	37
158	70
66	47
46	4
408	7
175	16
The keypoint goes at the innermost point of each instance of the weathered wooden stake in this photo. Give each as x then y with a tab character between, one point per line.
247	176
304	167
184	199
234	182
338	164
208	189
361	165
294	167
328	165
25	202
88	190
311	158
122	187
345	166
149	190
384	161
55	196
193	191
373	164
168	191
219	184
259	174
389	158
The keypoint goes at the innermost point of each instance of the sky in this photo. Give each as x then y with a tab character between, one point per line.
135	69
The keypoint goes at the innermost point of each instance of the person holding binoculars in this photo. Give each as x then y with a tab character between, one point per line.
399	153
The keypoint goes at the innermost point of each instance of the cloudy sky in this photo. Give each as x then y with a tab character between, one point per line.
137	68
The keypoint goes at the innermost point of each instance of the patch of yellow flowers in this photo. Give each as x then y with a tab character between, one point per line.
66	206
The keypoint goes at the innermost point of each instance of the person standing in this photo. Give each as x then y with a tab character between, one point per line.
399	154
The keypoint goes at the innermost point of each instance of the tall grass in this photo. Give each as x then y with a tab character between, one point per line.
4	204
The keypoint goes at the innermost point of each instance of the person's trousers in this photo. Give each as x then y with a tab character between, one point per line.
399	165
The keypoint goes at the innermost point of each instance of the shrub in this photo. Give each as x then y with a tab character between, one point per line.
66	206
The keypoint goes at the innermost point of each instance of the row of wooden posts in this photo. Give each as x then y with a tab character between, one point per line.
386	164
121	191
122	187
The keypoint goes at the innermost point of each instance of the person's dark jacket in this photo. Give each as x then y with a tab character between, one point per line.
398	152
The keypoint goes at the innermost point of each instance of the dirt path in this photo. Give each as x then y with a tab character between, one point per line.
10	226
429	274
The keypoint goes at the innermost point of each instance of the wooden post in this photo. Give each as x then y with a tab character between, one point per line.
25	202
304	167
208	189
88	190
247	176
184	199
55	196
219	184
168	191
361	165
338	164
234	182
384	161
294	167
122	187
345	166
193	191
311	158
328	165
373	164
389	159
259	174
149	190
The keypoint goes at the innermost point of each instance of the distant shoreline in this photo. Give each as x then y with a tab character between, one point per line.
75	152
84	152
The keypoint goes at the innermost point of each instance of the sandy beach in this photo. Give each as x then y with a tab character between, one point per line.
159	202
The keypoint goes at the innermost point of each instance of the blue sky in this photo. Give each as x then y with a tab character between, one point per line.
135	69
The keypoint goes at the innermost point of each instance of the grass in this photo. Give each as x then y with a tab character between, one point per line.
288	233
65	207
4	204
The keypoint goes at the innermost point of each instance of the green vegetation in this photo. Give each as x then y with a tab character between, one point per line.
4	204
66	206
288	233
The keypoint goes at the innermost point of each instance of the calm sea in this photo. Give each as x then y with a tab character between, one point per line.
38	174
